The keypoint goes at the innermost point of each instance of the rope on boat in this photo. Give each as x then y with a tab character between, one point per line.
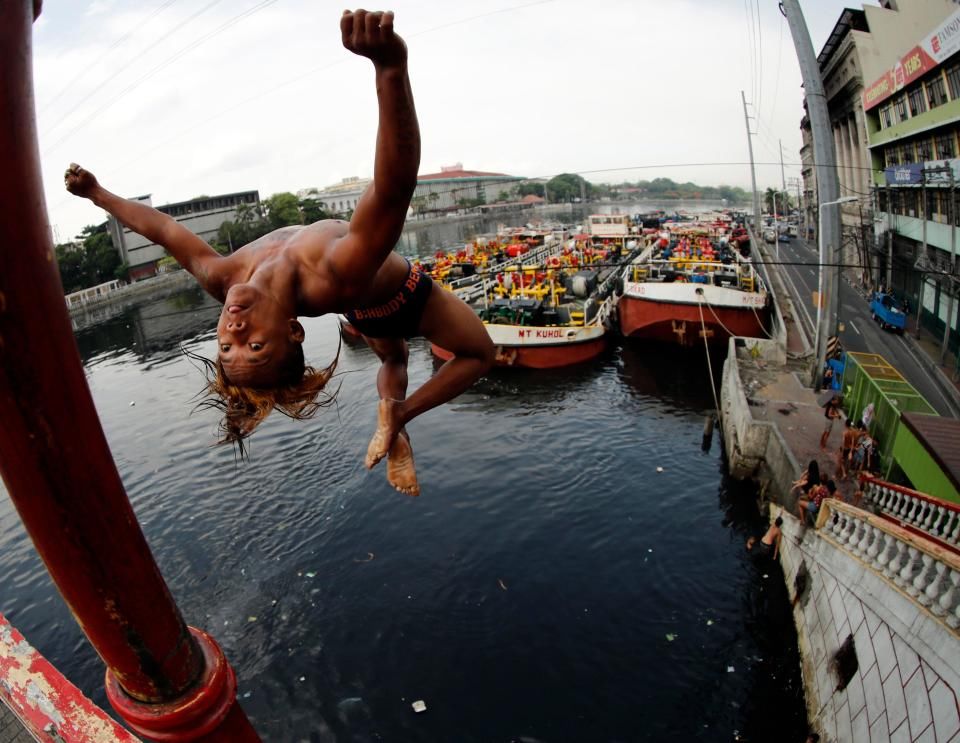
706	348
760	322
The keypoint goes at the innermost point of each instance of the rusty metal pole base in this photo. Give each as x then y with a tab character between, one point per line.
207	713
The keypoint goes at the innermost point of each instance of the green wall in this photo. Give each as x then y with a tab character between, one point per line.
925	474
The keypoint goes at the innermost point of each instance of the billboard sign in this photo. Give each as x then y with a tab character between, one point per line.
937	46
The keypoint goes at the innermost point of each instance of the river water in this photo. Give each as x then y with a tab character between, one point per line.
574	569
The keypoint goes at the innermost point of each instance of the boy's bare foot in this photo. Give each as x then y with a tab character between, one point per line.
401	472
388	426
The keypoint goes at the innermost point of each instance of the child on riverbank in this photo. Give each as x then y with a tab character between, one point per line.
328	267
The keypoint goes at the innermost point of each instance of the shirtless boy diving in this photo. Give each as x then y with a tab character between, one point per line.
329	266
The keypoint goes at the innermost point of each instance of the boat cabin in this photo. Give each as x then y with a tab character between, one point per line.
609	225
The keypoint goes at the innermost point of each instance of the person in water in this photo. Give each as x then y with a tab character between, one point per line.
769	544
329	266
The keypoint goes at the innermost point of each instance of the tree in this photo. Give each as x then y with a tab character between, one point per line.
434	198
313	210
782	201
503	196
282	209
567	187
525	189
70	263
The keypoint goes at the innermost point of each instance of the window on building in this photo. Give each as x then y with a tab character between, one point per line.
936	92
882	199
905	154
890	157
900	106
917	103
924	149
886	116
946	146
953	81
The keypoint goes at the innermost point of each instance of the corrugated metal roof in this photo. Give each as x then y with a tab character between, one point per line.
941	437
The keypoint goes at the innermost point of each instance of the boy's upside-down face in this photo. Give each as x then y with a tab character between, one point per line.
256	342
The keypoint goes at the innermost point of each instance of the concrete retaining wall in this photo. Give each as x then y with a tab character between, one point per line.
905	687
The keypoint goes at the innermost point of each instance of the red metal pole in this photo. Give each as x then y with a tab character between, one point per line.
168	682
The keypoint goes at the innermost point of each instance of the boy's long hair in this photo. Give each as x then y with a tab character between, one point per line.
299	396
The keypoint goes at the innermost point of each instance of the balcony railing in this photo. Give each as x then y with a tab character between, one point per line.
936	519
921	568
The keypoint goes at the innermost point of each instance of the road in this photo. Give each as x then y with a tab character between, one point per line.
798	261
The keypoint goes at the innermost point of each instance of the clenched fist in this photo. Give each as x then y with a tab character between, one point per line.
80	182
370	34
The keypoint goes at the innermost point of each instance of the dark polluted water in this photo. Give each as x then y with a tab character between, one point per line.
550	584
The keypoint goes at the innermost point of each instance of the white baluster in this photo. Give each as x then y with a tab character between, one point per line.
890	498
949	598
887	551
913	513
898	555
931	516
940	521
920	581
893	503
876	545
905	576
903	501
936	587
850	528
860	547
955	534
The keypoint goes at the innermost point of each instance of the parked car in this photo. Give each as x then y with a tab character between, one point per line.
769	236
885	310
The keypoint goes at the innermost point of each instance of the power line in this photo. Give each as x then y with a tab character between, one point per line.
109	49
760	57
163	38
166	63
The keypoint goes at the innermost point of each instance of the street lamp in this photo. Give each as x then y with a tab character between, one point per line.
826	280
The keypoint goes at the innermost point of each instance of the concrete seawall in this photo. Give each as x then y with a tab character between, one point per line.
893	593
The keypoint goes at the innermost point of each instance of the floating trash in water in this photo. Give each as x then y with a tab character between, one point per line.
709	622
251	619
368	558
730	669
659	469
671	637
132	403
311	575
419	706
650	549
502	584
765	575
246	695
303	678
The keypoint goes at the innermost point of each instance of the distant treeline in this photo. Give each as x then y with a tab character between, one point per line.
667	188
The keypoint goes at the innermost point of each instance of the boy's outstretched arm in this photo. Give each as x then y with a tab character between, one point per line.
378	220
190	251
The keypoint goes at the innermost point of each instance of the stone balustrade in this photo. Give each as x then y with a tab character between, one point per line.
937	518
920	568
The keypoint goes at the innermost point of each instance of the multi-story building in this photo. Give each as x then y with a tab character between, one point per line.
912	112
202	216
840	68
450	189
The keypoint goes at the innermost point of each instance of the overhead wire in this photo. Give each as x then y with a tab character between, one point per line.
119	72
84	70
760	58
167	62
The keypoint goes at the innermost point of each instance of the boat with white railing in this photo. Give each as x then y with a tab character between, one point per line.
684	288
549	314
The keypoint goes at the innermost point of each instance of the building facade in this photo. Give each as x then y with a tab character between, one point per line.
202	216
451	189
912	110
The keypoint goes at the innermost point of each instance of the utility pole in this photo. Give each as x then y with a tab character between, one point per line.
783	177
945	347
825	159
753	172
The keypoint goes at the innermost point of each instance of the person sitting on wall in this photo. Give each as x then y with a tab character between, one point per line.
811	505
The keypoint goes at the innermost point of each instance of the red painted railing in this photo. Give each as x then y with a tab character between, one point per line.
168	682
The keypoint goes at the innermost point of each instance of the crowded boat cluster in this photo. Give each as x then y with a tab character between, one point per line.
552	295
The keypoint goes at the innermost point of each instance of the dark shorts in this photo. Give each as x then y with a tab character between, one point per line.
764	549
400	316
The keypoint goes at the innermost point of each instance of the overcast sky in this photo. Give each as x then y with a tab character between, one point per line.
179	98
